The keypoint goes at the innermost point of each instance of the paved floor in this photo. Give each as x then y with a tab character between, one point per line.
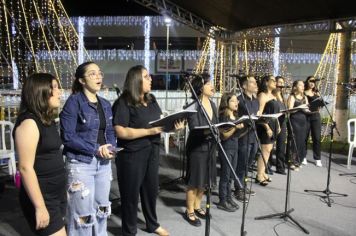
309	209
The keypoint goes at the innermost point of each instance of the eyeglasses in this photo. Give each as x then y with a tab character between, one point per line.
93	75
148	76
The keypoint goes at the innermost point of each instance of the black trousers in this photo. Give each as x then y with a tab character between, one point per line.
139	177
281	148
226	174
246	156
314	127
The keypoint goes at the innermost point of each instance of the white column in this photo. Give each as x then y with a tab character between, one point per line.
212	59
276	56
147	34
15	71
81	22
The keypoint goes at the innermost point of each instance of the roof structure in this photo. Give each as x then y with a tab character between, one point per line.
232	15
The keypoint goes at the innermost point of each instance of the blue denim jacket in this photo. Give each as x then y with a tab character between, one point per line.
79	122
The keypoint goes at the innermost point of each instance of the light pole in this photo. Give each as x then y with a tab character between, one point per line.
168	23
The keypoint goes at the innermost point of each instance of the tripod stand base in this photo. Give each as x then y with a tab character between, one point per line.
284	215
348	174
179	180
327	192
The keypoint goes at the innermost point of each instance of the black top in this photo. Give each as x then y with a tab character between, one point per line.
232	141
282	106
48	161
136	117
253	107
197	141
271	107
310	100
102	124
297	103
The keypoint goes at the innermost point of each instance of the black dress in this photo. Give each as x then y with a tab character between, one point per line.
50	171
271	107
201	151
298	121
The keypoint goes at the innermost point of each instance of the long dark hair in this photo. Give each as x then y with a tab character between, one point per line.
224	104
294	86
198	83
306	83
275	92
133	87
36	91
79	73
262	85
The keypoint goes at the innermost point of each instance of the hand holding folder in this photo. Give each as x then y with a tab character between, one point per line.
168	121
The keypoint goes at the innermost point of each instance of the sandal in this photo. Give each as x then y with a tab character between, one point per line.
268	179
262	182
201	213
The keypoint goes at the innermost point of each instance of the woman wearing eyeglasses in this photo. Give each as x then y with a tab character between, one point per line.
88	137
139	161
313	119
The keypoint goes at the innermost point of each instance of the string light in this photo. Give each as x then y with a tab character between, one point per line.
147	34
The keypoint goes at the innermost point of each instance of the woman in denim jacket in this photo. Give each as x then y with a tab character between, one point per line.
89	140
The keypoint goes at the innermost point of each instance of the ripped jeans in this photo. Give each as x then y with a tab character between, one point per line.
88	191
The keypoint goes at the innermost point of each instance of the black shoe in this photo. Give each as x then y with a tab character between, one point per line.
281	172
195	222
240	196
201	213
262	182
226	207
232	203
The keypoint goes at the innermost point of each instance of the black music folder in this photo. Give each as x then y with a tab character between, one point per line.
301	107
168	121
315	104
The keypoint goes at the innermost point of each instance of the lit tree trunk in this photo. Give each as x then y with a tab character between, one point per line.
341	109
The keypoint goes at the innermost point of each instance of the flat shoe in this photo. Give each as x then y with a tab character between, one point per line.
196	222
201	213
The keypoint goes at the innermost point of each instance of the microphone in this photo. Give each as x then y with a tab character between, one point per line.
235	75
117	89
346	84
283	86
187	74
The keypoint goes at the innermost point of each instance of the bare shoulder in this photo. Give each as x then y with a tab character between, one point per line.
27	127
262	96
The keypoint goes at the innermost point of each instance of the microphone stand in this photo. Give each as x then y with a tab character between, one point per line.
287	212
181	153
244	206
215	133
327	190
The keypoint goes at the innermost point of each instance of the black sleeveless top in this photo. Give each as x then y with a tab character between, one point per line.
48	161
314	109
